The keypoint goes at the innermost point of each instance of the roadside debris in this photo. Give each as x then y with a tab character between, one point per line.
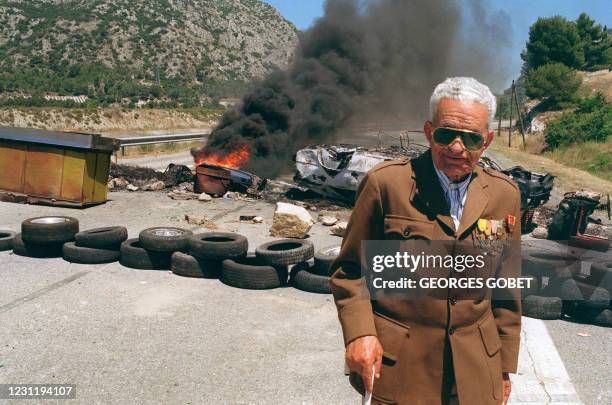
290	221
155	186
200	221
540	233
336	171
204	197
131	187
339	229
258	220
327	220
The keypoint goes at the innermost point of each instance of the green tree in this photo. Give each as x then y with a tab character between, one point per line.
556	83
553	40
596	42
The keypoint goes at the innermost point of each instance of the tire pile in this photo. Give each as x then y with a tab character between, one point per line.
222	255
578	285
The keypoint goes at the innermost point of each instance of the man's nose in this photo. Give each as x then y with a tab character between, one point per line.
456	146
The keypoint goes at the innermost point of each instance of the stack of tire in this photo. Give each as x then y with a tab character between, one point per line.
95	246
315	278
44	236
206	253
6	240
154	247
566	284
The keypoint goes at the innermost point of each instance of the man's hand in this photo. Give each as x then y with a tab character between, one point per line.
361	354
507	387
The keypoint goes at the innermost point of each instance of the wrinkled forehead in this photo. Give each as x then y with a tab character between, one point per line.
461	114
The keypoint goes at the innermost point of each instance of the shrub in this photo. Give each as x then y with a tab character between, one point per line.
556	83
592	121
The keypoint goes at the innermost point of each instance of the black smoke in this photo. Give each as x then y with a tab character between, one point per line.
362	59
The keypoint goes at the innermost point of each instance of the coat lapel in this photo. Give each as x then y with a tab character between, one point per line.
429	191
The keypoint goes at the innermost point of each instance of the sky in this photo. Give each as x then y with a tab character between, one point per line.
522	13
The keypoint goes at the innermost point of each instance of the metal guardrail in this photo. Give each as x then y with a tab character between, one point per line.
155	139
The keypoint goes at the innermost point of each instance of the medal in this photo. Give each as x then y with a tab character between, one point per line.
482	225
494	228
510	222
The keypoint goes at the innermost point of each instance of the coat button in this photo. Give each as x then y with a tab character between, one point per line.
407	231
451	330
453	300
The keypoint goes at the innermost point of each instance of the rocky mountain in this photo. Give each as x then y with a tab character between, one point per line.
101	47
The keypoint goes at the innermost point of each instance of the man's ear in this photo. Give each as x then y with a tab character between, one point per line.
428	129
489	138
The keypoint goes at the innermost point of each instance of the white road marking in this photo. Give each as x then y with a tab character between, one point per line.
542	377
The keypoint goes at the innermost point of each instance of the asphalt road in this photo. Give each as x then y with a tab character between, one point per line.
137	336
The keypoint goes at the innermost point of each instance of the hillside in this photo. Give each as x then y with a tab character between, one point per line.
139	49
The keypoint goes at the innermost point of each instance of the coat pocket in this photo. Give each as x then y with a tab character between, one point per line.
399	227
392	336
492	346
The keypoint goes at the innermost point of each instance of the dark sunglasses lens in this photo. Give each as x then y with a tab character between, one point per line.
471	140
444	136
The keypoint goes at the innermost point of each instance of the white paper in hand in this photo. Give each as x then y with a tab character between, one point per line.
367	398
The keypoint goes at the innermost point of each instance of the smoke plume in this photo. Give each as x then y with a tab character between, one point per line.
362	59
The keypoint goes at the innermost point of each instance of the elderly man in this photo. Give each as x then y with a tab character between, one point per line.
433	351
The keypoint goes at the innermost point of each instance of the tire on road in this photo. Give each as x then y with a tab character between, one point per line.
540	307
323	260
49	229
550	264
102	238
583	313
183	264
133	255
38	250
304	279
534	286
218	245
165	239
585	294
284	252
601	275
85	255
6	240
249	273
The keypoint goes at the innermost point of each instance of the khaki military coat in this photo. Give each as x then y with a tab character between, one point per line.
428	343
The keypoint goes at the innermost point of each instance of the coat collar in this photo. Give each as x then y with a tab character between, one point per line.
430	194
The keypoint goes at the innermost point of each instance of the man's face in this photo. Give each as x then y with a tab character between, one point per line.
455	160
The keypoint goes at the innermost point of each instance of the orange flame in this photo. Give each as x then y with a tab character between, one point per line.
233	160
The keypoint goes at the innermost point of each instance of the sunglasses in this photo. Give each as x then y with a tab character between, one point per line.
472	141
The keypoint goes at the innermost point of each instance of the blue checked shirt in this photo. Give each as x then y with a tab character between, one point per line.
455	193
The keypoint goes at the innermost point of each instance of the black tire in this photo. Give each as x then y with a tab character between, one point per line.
84	255
6	240
218	245
284	252
534	285
165	239
323	260
539	307
249	273
49	229
39	250
304	279
550	264
585	294
582	313
601	276
133	255
102	238
186	265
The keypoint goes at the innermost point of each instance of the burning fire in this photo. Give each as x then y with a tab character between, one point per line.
233	160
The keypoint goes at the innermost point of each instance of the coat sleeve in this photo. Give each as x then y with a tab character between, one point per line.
348	286
506	304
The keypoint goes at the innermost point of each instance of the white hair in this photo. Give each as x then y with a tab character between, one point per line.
465	89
